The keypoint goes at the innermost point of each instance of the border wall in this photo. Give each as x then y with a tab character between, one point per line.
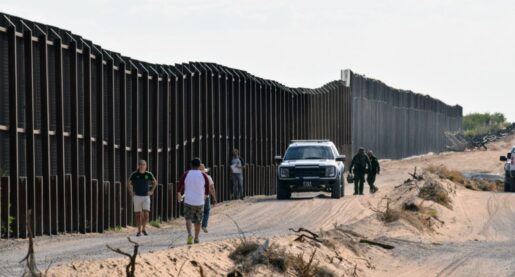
75	118
397	123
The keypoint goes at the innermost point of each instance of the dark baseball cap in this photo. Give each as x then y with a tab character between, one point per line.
196	162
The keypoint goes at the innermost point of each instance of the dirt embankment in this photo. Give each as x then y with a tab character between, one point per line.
471	236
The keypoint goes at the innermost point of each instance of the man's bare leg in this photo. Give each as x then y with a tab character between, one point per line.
145	220
138	221
197	230
188	226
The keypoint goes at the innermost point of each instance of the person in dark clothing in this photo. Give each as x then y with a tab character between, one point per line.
360	163
141	186
373	170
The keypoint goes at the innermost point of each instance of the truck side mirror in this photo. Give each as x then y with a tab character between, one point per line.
509	155
278	159
341	158
504	159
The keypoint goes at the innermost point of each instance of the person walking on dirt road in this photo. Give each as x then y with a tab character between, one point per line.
193	190
373	170
360	163
237	165
210	200
138	186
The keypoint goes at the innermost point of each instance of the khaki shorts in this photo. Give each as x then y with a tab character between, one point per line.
194	213
141	203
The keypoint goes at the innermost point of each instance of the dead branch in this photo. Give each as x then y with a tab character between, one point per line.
306	269
310	235
130	269
375	243
31	269
196	264
235	273
180	269
355	272
415	176
305	231
301	238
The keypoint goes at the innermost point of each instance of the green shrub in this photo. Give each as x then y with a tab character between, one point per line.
483	123
156	223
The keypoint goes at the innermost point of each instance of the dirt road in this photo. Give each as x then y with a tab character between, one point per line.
477	238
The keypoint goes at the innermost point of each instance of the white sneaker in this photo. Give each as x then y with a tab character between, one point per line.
204	229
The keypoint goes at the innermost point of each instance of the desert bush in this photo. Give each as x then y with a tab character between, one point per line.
309	268
434	191
389	214
445	173
278	258
243	250
410	207
484	185
420	217
155	223
483	123
274	256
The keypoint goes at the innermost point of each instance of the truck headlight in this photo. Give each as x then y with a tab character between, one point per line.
330	171
285	172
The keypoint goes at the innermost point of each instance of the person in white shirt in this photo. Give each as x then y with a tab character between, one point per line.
237	165
193	189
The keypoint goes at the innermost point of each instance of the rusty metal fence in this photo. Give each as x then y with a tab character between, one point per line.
75	118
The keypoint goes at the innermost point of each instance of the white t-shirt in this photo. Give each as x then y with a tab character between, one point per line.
236	166
195	188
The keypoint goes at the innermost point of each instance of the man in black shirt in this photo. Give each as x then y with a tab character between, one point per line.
139	183
360	163
373	170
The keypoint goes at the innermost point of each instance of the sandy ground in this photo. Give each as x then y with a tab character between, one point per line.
476	238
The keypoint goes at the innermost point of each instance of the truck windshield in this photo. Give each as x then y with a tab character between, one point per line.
309	153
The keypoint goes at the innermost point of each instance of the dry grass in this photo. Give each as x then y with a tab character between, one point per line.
457	177
445	173
278	259
434	191
389	214
243	250
483	185
420	217
309	268
275	257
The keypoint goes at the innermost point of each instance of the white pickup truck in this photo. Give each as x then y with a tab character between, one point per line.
509	170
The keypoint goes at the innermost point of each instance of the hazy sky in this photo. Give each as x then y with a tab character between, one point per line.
462	52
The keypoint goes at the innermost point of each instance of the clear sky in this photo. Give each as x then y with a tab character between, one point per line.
460	51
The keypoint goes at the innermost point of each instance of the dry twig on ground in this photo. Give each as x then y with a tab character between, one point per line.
130	269
310	235
200	269
416	176
375	243
31	269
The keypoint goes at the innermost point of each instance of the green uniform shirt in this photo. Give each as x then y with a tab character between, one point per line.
141	182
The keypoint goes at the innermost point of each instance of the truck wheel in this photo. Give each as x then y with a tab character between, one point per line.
283	192
336	191
343	186
507	182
